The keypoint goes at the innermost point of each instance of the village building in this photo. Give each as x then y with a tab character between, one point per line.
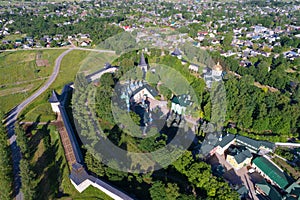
211	75
238	156
267	190
177	53
270	172
180	103
194	67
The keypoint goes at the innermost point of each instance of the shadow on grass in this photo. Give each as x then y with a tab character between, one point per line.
43	133
48	167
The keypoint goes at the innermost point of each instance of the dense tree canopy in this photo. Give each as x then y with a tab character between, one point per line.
5	166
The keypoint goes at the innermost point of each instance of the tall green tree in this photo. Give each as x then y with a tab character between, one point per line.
22	140
157	191
27	177
5	166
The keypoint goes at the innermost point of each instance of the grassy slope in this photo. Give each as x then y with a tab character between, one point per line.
23	80
18	71
71	64
68	70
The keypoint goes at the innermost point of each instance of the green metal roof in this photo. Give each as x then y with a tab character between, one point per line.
243	190
294	190
272	172
182	100
269	190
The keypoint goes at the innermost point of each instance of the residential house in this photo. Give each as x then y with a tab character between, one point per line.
85	43
194	67
18	42
177	53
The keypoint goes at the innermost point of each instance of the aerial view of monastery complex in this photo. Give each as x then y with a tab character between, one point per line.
150	99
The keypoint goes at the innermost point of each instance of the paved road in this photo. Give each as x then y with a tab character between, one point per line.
288	144
12	118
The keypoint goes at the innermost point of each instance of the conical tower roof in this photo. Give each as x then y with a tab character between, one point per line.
142	62
54	98
176	52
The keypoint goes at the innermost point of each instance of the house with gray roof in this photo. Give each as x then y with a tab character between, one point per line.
177	53
254	145
238	156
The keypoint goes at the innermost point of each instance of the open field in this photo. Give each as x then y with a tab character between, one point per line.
21	66
68	70
50	167
20	76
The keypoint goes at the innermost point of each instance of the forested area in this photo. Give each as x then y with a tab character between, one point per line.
6	174
267	71
26	172
258	112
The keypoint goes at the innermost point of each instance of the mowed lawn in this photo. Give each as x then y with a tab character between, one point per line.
51	169
20	76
